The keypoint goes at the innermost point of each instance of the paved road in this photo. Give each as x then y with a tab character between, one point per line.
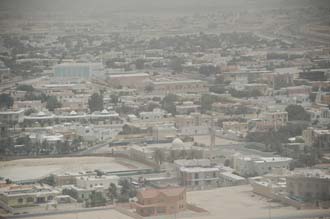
320	215
59	212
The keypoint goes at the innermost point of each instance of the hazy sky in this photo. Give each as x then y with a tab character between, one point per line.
103	6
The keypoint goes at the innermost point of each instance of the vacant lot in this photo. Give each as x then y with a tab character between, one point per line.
240	203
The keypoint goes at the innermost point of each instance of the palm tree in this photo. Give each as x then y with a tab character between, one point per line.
112	192
159	156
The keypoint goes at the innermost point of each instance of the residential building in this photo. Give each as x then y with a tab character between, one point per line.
187	108
193	124
27	195
73	70
248	166
152	202
270	120
156	114
134	80
319	138
230	179
12	117
102	182
199	177
309	185
178	86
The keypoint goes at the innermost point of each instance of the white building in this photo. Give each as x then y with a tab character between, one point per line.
154	115
73	70
255	166
97	182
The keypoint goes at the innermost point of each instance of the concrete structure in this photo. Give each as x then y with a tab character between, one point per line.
255	166
12	117
193	124
230	179
179	86
103	182
309	185
72	70
135	80
318	138
156	114
187	108
163	133
270	120
240	128
199	177
27	195
165	201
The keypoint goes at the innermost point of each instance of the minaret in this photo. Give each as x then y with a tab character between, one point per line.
212	135
318	99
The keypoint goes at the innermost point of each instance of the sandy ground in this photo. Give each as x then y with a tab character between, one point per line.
240	203
102	214
35	168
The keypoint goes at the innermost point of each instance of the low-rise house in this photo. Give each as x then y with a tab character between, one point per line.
12	117
270	121
193	124
100	182
156	114
165	201
309	185
163	133
319	138
178	86
199	177
230	179
27	195
187	108
248	166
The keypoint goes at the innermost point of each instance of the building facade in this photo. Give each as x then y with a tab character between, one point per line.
166	201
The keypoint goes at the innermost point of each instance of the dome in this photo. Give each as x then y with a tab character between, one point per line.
177	143
105	111
41	113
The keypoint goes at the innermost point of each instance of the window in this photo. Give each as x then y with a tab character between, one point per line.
49	198
20	200
30	199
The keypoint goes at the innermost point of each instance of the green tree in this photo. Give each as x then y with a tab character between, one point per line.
6	101
176	64
297	112
112	192
139	64
168	103
206	102
149	88
52	103
127	190
25	87
96	199
114	98
95	102
159	156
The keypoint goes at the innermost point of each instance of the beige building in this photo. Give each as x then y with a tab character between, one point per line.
27	195
317	137
180	86
12	117
166	201
309	186
270	120
193	124
136	80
